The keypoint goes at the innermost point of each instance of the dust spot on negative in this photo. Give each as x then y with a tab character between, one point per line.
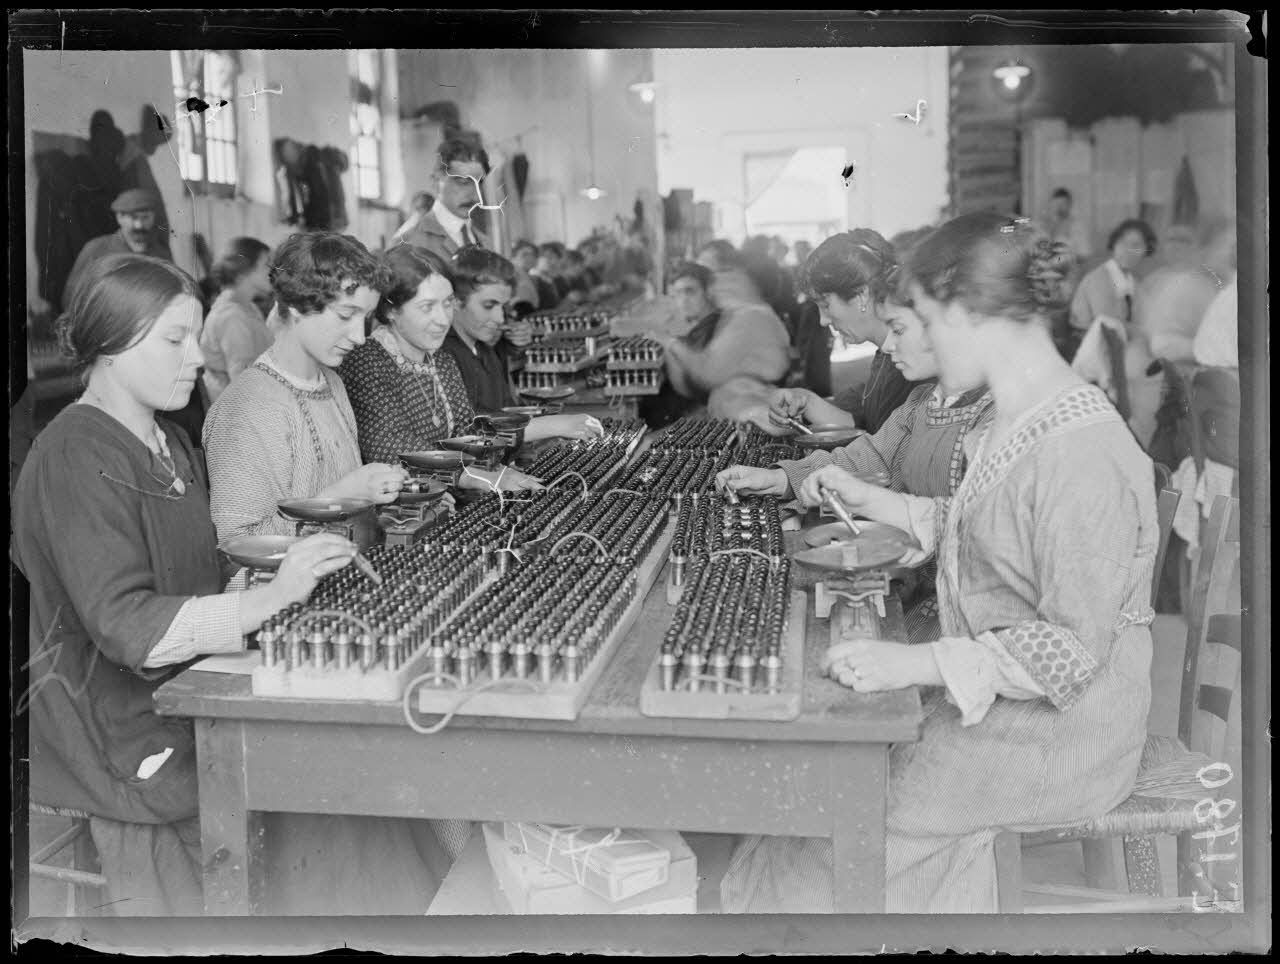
847	174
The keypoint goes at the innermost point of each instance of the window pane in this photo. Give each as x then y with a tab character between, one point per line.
367	67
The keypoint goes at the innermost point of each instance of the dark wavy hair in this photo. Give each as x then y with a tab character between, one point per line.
460	149
475	266
310	271
1133	224
241	257
407	267
991	264
848	264
115	303
691	269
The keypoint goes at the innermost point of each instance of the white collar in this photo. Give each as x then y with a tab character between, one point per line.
1122	281
451	223
300	383
944	401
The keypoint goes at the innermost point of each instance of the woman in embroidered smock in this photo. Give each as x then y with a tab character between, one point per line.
407	395
920	450
850	277
112	531
284	429
1040	687
484	284
235	333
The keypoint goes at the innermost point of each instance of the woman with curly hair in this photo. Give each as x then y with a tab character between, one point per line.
1037	689
285	429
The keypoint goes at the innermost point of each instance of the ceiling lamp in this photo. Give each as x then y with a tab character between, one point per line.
592	192
1011	77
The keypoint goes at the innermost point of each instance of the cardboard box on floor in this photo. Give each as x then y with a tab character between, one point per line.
526	886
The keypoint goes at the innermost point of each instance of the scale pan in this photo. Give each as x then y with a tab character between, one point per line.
836	549
827	437
322	510
429	490
548	394
263	553
473	444
436	460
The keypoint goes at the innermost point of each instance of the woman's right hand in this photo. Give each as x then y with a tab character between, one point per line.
790	403
850	489
377	482
743	480
306	563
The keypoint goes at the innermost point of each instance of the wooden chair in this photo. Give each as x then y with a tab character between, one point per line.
78	878
1120	857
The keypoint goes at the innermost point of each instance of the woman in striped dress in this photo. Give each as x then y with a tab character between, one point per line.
919	449
1038	687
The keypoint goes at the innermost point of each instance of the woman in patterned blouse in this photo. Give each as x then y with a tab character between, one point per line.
1038	686
407	395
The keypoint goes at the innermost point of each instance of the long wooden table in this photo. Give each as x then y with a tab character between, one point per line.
821	775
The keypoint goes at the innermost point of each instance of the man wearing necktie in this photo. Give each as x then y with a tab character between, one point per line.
460	167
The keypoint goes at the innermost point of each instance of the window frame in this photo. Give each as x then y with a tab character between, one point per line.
227	134
368	93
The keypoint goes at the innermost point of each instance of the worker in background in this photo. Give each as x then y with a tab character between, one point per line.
135	211
460	167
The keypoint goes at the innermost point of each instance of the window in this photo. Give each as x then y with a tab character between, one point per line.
366	122
206	138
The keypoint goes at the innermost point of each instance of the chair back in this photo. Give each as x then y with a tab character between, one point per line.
1167	499
1209	717
1114	344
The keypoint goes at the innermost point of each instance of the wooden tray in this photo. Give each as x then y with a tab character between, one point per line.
783	705
350	684
629	390
559	700
579	364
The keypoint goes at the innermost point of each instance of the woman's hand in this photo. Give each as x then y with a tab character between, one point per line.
564	426
850	489
519	333
790	403
873	666
507	480
306	563
377	482
742	480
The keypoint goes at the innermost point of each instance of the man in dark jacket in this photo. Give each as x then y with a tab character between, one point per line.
135	211
447	227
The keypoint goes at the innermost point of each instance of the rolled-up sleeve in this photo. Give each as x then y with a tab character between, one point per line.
977	671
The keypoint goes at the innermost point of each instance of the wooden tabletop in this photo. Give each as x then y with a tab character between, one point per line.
830	713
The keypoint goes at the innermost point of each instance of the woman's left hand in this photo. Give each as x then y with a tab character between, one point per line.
873	666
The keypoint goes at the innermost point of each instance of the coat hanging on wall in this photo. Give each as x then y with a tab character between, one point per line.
520	170
309	185
1186	200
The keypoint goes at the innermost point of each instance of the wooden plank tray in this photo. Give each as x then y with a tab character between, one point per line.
708	705
559	700
581	363
350	684
630	390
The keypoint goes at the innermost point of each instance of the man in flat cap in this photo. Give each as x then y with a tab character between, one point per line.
135	211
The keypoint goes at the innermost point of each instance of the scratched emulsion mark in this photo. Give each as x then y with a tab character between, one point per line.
480	198
194	105
846	175
918	116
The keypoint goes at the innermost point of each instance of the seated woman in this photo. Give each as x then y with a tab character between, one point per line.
484	284
1041	674
690	289
113	533
284	429
920	450
407	395
235	333
849	277
747	339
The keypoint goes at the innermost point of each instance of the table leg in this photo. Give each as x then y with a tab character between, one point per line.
859	783
231	837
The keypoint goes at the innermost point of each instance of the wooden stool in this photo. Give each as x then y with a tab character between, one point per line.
78	876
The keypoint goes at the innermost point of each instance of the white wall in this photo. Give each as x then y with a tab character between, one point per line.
541	95
716	105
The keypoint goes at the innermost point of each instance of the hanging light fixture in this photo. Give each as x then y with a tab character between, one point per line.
592	192
646	89
1012	79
